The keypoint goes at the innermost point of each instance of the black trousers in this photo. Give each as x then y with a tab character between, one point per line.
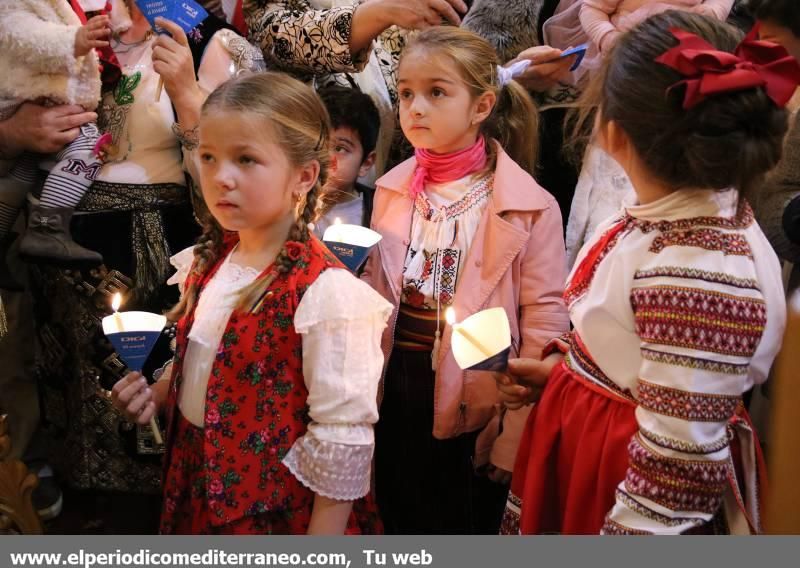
425	485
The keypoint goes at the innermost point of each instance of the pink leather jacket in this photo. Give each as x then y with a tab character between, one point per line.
516	261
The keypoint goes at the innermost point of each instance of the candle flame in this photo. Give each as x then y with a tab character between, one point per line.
450	315
116	301
337	221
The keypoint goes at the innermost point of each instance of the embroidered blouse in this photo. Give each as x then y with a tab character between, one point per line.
445	219
341	320
682	313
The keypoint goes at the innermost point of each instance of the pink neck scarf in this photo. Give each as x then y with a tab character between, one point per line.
441	168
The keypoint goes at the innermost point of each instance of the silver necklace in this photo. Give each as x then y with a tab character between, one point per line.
121	47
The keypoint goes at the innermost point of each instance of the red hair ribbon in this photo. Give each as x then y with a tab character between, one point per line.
709	71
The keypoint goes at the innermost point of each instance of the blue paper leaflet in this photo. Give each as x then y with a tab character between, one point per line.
352	256
579	51
495	363
134	347
186	13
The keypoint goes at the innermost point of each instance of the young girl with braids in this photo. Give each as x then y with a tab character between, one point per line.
676	302
271	395
464	225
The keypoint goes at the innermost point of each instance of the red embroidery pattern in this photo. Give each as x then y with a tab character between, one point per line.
696	363
649	513
696	274
708	239
679	485
699	319
447	273
560	344
581	280
694	406
510	522
744	218
474	196
613	528
582	277
412	292
683	446
442	267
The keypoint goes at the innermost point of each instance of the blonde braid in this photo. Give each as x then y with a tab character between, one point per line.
296	117
206	253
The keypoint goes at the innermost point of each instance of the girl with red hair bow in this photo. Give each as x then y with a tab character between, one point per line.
676	303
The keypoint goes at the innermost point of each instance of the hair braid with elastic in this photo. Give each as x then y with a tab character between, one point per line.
206	253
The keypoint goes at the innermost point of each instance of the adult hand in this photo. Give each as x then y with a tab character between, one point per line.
172	59
91	35
525	380
372	17
421	14
546	69
134	399
41	129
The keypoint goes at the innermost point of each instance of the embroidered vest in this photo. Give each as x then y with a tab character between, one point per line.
256	398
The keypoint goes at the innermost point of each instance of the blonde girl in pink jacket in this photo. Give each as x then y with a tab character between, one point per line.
464	225
605	20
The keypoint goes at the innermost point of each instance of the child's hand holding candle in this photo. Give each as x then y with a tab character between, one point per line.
133	335
525	380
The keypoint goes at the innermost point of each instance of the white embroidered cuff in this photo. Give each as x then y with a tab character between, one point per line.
336	471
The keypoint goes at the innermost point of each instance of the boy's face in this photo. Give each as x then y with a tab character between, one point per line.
347	154
774	31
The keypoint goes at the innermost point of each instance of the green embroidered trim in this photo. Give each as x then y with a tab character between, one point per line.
123	92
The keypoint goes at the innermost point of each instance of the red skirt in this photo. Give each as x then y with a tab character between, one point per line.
185	505
573	454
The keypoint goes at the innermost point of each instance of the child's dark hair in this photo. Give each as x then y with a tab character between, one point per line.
514	121
297	120
728	140
350	108
783	12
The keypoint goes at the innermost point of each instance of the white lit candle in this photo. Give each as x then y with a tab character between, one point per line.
450	316
337	235
116	302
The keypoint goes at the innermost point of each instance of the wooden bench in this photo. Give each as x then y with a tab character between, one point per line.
783	504
17	515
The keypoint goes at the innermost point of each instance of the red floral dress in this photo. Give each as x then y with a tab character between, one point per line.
229	476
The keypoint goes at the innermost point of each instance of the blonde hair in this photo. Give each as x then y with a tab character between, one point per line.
296	117
514	120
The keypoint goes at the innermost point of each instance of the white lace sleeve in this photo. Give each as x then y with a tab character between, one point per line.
182	262
341	320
